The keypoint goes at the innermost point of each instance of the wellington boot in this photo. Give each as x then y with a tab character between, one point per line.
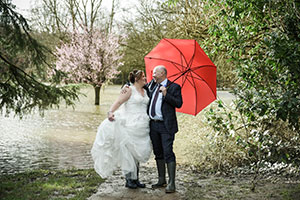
171	172
161	168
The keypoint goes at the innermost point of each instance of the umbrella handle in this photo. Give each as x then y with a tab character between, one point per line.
178	77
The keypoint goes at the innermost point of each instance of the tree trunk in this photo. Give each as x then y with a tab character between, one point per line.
111	16
97	94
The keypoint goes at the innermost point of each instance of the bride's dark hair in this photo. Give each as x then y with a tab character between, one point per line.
135	75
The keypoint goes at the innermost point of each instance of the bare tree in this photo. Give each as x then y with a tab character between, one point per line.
69	15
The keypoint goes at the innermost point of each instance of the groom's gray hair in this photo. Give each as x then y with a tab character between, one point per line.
163	68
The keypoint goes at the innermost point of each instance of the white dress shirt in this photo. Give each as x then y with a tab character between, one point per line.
158	113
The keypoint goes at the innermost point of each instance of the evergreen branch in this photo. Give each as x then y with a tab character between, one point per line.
19	69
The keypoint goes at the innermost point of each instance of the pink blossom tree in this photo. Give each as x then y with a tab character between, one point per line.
92	57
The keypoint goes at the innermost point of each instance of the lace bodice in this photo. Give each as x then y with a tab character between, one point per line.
137	103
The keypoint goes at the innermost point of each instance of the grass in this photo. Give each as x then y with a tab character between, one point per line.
45	184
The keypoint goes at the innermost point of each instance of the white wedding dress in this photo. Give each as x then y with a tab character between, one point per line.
124	141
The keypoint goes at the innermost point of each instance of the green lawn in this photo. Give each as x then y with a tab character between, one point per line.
50	184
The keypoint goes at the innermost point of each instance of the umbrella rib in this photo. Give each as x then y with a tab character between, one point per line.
198	78
174	63
175	74
194	68
184	79
192	59
198	67
194	84
188	70
177	50
204	81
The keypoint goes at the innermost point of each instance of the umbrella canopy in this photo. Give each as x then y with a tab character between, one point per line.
189	66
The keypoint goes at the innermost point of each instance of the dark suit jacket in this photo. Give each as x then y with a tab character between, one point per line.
172	100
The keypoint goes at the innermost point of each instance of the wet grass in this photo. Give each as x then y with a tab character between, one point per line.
50	184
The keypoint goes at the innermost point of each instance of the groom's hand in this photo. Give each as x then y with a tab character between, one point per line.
124	89
163	90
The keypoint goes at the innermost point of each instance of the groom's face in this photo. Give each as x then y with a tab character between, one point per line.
158	75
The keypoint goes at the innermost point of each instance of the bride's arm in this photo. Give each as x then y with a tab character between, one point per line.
123	97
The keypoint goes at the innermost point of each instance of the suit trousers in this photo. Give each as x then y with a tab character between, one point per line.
162	141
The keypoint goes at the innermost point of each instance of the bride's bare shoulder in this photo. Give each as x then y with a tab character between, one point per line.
126	89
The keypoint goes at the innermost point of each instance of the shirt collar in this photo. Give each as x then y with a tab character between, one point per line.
164	82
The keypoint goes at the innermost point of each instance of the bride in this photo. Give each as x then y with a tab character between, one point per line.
123	138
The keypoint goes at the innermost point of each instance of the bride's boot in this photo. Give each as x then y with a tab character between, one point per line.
161	168
171	172
137	182
129	182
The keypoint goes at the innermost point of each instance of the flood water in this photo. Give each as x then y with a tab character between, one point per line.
59	140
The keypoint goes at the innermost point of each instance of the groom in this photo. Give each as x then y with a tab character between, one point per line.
165	96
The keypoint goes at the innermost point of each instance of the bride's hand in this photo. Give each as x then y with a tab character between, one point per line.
110	116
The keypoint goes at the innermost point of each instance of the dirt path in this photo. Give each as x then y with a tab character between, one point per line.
195	186
113	188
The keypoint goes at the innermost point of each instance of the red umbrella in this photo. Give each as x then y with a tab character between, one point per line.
188	66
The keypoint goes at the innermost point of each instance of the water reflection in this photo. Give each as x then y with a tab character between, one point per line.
61	139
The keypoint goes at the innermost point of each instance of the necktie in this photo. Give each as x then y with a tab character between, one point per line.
154	101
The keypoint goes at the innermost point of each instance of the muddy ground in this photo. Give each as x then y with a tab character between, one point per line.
194	185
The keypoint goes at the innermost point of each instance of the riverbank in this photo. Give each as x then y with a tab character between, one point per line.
86	184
